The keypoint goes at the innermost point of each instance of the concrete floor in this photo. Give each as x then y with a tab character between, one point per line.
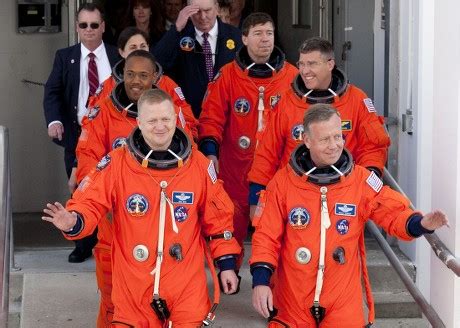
49	292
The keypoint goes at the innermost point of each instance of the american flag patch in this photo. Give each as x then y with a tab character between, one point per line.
370	105
212	172
374	182
181	117
179	93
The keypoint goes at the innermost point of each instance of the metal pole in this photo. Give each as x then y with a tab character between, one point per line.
5	223
426	308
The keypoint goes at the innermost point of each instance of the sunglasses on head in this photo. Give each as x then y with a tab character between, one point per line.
93	26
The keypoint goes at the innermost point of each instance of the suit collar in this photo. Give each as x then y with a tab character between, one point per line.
99	51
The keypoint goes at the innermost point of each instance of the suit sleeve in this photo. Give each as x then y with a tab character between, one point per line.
92	144
54	91
388	208
93	198
215	110
267	157
217	217
269	221
167	49
373	140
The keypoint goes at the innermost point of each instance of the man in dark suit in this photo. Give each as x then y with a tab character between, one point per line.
76	73
182	50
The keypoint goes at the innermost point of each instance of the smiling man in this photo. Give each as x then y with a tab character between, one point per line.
319	81
238	106
310	231
166	203
106	127
196	47
77	72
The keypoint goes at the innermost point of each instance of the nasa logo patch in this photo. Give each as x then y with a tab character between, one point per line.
345	209
103	163
137	205
187	43
182	197
297	132
180	213
299	218
342	226
242	106
118	142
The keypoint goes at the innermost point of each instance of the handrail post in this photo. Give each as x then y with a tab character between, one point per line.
5	226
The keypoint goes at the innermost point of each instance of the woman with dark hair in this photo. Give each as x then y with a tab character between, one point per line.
130	39
146	16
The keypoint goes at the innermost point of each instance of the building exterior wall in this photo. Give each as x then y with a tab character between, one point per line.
428	83
38	173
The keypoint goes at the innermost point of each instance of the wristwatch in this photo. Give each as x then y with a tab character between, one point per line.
226	235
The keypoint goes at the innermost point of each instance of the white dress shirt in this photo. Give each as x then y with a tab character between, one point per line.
103	71
212	39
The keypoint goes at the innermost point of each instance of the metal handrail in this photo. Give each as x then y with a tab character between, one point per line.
5	225
439	248
441	251
425	307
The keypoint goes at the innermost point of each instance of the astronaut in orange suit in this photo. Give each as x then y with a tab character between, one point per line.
309	230
131	39
106	127
237	107
166	202
319	81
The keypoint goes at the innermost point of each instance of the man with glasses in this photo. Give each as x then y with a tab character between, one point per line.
169	213
319	81
76	74
192	52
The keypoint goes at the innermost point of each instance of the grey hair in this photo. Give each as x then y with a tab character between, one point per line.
318	113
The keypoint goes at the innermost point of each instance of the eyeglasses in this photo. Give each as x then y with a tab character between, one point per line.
311	64
130	75
93	26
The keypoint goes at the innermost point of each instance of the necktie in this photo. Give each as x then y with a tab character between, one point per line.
207	56
93	78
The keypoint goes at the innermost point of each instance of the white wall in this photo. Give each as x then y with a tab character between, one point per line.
446	153
429	84
38	173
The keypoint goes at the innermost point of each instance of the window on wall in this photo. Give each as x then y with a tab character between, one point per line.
302	13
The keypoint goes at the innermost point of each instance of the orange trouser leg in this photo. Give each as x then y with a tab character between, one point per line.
102	255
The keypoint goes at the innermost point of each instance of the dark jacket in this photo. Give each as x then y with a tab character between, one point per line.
188	68
61	91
